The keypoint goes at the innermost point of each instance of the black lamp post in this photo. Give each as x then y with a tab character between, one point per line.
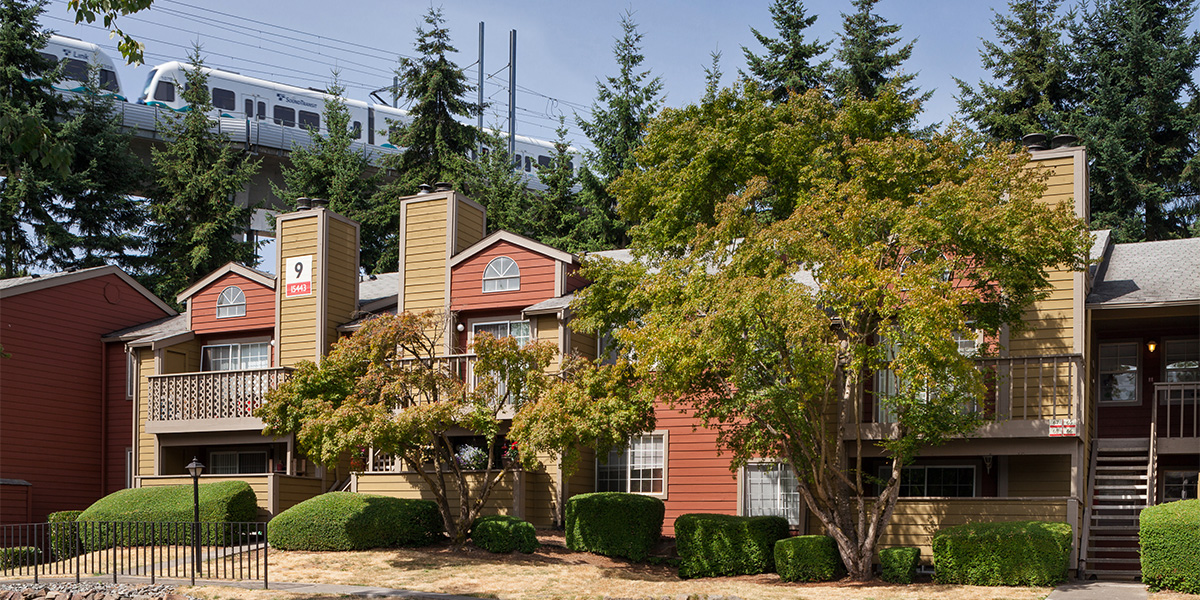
195	468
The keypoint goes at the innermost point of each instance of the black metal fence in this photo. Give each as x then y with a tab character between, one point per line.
215	551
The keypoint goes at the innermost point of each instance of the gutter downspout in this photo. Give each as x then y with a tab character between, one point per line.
103	417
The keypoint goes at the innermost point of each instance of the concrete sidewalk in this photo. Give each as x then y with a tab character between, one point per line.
320	589
1099	590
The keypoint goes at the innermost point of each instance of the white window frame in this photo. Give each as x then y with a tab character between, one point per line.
237	454
1137	373
131	373
666	461
230	302
473	324
1176	396
501	276
205	365
744	490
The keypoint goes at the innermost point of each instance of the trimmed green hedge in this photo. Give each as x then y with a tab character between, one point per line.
1170	538
63	538
808	558
715	545
20	556
221	502
614	524
899	565
351	521
1015	553
502	534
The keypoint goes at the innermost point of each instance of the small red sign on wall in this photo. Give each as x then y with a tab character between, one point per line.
299	289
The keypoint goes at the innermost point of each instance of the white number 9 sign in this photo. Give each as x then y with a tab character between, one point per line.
297	276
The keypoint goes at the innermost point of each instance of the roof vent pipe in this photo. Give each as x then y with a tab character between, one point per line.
303	203
1034	141
1064	140
320	203
442	186
424	188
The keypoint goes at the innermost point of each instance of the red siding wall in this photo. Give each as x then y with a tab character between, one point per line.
537	280
698	480
574	280
51	389
260	306
120	417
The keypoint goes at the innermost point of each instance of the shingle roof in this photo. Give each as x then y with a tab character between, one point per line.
385	285
152	331
551	305
19	281
1149	273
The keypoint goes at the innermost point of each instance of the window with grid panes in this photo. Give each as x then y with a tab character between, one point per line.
231	303
235	357
934	481
1118	373
770	489
638	469
235	463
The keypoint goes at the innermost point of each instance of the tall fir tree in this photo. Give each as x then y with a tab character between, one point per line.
1139	115
790	63
97	195
624	104
712	77
330	168
33	150
499	188
867	59
196	224
1028	61
558	215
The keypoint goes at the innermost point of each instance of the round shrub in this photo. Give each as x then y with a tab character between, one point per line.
20	556
502	534
899	565
220	502
614	524
64	534
808	558
715	545
1170	538
1034	553
350	521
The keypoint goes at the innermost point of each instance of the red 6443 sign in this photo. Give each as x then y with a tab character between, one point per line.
297	276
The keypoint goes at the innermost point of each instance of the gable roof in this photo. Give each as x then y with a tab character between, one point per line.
378	291
516	240
254	275
32	283
1148	273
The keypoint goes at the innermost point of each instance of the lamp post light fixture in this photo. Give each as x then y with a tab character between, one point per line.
195	468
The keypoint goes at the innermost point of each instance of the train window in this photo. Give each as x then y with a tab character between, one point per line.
165	91
528	164
262	110
76	70
310	120
543	161
516	161
249	108
356	130
224	99
108	81
49	58
285	116
571	165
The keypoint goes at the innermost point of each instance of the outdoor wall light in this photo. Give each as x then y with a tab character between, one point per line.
1151	345
461	327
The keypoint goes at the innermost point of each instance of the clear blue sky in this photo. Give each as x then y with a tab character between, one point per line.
562	46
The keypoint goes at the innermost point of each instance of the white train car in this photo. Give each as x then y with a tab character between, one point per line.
76	56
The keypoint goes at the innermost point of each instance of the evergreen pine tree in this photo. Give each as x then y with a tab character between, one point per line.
624	104
501	189
712	77
790	64
97	195
195	222
559	217
331	169
33	152
1139	115
867	61
1028	63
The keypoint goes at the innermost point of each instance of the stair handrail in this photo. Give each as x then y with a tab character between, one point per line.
1087	508
1151	471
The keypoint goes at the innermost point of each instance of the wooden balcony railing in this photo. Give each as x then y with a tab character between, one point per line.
211	394
1177	409
1036	387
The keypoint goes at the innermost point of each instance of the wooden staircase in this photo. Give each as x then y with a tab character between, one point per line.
1121	486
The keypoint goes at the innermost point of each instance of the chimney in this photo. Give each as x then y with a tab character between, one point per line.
303	203
424	188
320	203
1034	141
442	186
1064	140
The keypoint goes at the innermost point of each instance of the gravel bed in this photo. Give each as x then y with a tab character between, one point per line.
97	590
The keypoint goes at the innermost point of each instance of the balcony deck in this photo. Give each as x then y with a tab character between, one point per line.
211	400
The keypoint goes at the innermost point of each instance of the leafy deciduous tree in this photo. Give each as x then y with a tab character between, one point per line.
108	11
827	242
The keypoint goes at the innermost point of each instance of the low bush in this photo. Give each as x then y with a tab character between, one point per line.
64	534
614	524
1015	553
899	565
502	534
19	556
1170	538
808	558
221	502
716	545
351	521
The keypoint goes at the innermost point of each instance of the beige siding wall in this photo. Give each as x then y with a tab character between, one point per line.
915	521
424	239
469	227
541	493
410	485
546	330
298	316
341	276
583	344
1039	476
294	490
145	441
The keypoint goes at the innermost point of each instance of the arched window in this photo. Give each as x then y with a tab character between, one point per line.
231	303
501	275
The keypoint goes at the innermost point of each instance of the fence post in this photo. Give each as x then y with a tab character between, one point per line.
265	554
153	551
37	554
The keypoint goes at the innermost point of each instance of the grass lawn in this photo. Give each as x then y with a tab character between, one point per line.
555	572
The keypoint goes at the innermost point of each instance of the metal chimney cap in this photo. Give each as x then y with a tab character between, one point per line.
424	188
320	203
1034	141
1064	140
443	186
303	203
